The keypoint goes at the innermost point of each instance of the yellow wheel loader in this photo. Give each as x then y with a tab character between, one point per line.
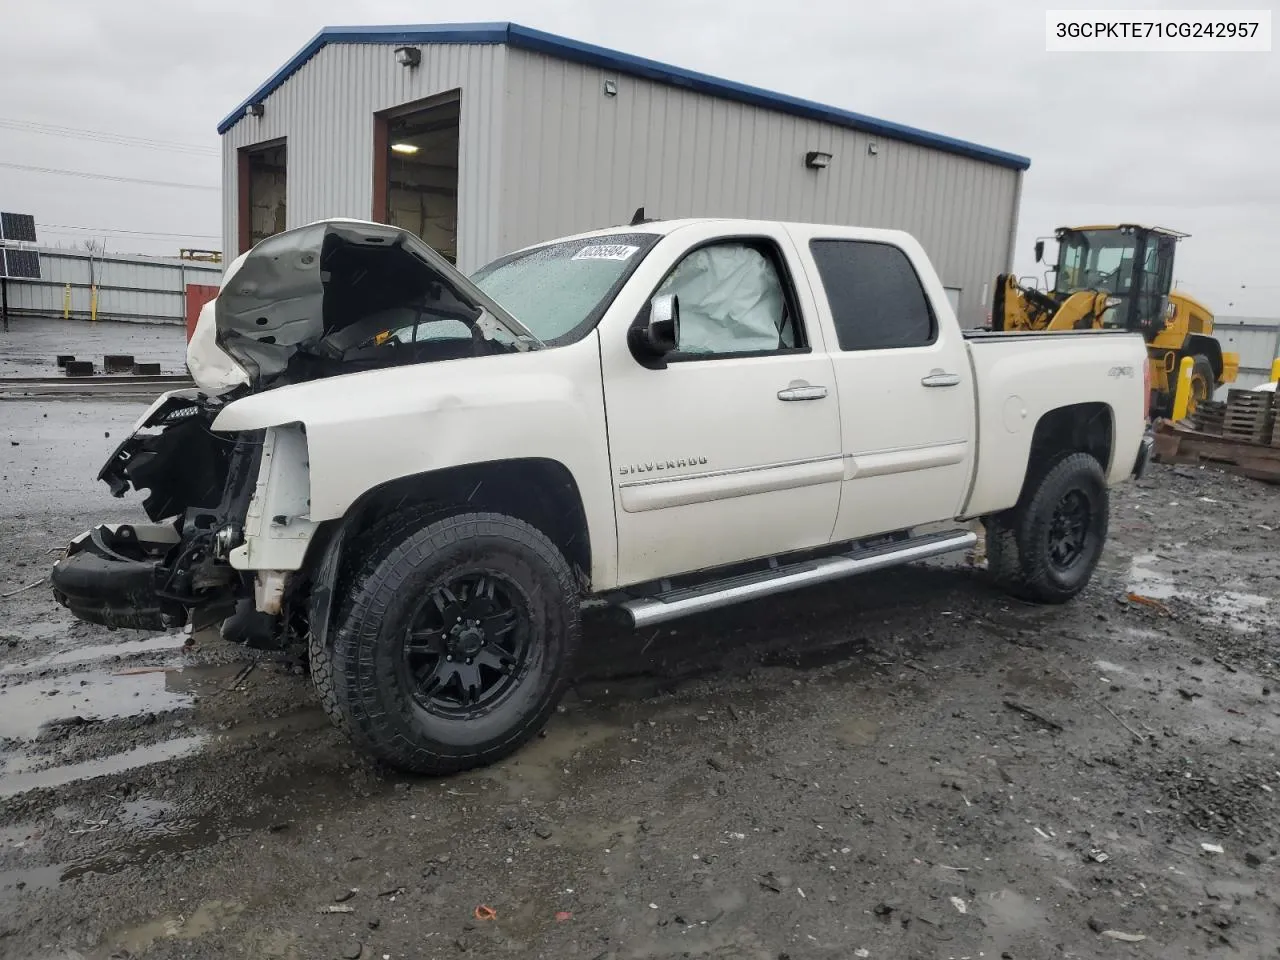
1120	277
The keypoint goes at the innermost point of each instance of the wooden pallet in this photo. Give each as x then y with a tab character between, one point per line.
1249	416
1179	444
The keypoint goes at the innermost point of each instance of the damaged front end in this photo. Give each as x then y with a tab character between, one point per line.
175	570
230	509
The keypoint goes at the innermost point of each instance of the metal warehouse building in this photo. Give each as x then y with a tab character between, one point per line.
1257	340
483	138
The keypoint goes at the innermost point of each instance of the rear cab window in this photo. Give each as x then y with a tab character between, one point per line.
875	296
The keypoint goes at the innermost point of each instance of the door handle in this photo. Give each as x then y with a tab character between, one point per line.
940	378
799	390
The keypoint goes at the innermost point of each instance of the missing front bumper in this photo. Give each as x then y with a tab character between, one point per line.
110	577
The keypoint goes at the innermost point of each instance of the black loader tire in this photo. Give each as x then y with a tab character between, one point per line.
1201	371
1018	541
373	690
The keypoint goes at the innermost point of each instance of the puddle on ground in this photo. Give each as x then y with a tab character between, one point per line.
11	784
19	836
1146	581
210	916
145	812
538	767
1241	611
30	879
27	707
102	651
21	843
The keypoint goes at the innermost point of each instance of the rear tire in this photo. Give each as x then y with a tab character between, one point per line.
1046	548
454	642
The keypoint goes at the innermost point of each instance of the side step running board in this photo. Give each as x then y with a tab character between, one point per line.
647	611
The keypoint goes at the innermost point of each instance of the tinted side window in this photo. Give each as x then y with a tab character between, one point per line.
876	298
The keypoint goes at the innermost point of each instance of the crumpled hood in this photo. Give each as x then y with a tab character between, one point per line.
322	289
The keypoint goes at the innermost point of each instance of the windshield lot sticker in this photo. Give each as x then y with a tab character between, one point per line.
606	251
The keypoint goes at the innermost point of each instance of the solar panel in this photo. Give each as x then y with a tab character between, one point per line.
20	264
20	227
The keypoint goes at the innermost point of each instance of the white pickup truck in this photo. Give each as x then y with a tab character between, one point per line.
423	476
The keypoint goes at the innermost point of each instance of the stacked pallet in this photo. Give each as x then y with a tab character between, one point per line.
1241	436
1249	416
1209	416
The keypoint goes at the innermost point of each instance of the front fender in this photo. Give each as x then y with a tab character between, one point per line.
366	429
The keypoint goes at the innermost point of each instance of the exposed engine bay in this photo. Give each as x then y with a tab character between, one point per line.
328	299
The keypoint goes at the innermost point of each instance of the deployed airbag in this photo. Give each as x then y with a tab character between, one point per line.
730	300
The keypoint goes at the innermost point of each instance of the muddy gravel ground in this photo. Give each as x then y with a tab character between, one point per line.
906	765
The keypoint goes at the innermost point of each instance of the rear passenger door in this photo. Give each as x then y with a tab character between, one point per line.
903	379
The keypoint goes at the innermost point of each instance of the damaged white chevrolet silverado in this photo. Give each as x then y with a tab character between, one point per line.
423	476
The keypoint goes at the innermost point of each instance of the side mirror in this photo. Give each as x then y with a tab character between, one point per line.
659	333
1039	250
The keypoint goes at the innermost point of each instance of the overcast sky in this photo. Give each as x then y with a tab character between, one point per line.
1186	140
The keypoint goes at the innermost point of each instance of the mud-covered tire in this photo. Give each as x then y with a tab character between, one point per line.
320	657
1202	382
1025	545
358	559
373	689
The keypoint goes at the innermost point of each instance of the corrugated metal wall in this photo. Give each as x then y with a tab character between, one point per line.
1257	340
139	289
325	111
579	160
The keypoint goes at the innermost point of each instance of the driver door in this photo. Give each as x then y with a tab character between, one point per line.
730	451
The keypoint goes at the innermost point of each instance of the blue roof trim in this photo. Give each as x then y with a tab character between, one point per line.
387	33
539	41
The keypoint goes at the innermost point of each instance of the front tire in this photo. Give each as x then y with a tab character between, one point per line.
454	643
1046	548
1202	383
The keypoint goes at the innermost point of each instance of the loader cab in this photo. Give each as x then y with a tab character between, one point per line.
1133	265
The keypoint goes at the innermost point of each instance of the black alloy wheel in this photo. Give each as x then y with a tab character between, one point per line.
466	646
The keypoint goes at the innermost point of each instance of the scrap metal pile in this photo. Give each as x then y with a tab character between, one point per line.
1241	436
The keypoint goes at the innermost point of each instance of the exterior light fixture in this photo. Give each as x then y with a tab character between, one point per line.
408	56
817	160
611	88
253	110
873	148
404	147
